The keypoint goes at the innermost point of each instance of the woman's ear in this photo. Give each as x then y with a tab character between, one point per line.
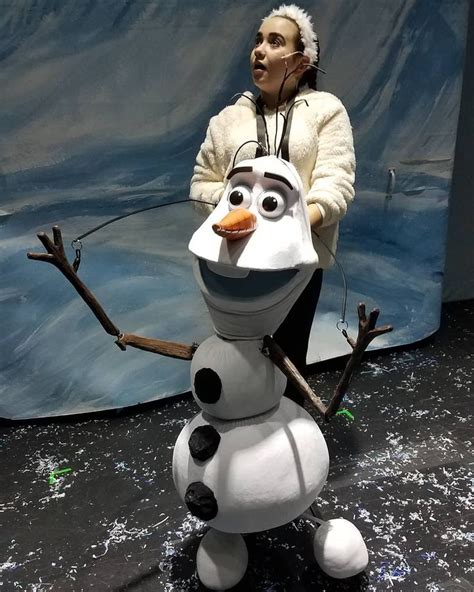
303	66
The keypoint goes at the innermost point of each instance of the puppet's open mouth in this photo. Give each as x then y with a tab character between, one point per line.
247	284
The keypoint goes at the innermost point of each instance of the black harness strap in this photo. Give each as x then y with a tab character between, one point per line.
285	138
261	136
285	142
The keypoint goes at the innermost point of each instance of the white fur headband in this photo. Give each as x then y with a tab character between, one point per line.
305	25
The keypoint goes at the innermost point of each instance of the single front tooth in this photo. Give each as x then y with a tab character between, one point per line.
230	271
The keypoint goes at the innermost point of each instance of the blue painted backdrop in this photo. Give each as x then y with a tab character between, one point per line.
104	105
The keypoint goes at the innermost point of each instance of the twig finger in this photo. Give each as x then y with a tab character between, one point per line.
47	242
373	316
40	257
361	311
58	239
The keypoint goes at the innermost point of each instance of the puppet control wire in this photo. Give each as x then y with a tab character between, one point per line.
76	244
342	324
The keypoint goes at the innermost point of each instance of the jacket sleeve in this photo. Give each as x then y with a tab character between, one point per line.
208	180
332	179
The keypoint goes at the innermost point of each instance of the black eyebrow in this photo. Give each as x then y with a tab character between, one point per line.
277	35
278	178
246	169
272	34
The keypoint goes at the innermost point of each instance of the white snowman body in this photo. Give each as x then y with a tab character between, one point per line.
232	379
267	469
251	459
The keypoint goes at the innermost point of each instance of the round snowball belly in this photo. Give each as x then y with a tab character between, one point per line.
265	471
233	379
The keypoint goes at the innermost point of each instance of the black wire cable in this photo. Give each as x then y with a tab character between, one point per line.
244	144
344	280
280	92
117	218
77	241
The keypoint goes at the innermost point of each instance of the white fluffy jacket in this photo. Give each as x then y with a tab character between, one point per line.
320	146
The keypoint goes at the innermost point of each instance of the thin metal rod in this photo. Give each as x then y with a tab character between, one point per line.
344	280
117	218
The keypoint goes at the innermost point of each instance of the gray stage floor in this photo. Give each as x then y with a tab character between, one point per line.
399	471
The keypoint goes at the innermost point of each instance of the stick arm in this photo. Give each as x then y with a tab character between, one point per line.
170	349
272	350
55	255
367	332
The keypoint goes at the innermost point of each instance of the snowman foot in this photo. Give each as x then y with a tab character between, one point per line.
340	549
222	560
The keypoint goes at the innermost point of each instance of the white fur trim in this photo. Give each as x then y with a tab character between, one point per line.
305	25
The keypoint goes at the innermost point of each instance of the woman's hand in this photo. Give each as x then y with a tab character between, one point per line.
315	216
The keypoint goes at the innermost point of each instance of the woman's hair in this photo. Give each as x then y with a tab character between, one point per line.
310	77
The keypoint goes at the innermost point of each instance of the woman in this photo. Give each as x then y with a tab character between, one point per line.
317	140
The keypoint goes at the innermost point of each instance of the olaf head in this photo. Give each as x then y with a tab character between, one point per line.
254	253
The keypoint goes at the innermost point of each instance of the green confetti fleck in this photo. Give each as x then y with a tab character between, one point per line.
345	412
52	476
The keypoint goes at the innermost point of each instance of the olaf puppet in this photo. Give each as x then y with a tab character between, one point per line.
251	460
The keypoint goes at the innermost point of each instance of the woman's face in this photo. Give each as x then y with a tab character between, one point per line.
276	38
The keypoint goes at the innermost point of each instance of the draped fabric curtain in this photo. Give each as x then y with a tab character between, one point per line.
104	106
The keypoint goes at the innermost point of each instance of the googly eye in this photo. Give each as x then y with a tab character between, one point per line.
271	204
239	197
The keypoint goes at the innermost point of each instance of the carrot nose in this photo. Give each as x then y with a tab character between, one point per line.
237	224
